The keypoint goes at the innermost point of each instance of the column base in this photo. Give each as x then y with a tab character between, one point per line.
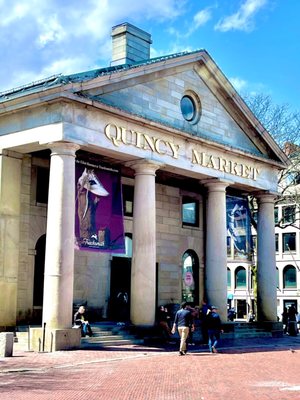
275	327
55	339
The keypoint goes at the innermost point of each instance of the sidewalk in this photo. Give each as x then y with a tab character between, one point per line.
259	369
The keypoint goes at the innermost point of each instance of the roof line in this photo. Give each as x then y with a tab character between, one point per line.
90	74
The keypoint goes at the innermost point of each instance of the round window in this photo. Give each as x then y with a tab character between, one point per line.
188	108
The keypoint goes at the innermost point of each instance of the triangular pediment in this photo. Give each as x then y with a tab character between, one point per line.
155	95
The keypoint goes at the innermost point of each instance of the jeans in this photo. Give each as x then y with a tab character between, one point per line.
213	338
86	329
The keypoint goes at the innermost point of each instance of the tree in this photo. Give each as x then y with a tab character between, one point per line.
283	124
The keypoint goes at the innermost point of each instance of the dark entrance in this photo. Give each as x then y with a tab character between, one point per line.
38	283
120	279
241	309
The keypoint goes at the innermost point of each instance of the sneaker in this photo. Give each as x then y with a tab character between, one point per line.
214	350
181	353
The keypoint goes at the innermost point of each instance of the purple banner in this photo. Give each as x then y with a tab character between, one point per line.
99	211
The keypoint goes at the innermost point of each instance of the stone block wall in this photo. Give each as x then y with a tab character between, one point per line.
173	241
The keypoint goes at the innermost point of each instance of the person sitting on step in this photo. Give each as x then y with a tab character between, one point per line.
79	320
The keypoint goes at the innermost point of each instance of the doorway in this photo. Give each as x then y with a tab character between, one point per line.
241	309
120	280
38	280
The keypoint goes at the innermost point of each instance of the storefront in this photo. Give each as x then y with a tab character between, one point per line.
178	139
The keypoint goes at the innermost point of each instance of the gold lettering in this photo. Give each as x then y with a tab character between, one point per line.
195	157
138	139
175	149
256	171
149	141
124	135
246	170
224	165
211	162
118	134
233	166
157	146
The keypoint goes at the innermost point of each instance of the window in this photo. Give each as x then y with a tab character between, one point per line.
190	277
277	242
289	242
228	278
42	185
128	192
289	277
190	212
288	214
276	219
190	107
240	278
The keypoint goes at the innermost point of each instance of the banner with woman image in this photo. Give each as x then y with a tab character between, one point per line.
239	226
99	224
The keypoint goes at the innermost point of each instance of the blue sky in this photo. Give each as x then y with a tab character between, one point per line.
256	43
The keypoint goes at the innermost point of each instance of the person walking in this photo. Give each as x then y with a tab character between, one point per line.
163	321
213	323
184	322
285	320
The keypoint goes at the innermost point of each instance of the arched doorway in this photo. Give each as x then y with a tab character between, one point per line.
190	278
38	282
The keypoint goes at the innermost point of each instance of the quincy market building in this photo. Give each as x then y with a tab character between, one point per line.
176	138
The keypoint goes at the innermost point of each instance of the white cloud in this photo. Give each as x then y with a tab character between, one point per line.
243	19
199	19
51	30
238	83
41	38
202	17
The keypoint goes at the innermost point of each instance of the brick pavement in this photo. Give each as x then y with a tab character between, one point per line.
256	369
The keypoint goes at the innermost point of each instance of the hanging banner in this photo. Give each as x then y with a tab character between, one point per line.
99	212
239	225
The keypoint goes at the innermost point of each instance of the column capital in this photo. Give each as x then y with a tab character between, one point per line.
144	167
215	185
63	148
266	197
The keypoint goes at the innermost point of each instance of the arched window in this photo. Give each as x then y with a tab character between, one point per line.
240	278
228	278
289	277
190	277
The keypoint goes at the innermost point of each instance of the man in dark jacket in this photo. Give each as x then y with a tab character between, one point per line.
184	322
213	324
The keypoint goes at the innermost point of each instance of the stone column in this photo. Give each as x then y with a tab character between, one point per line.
143	268
216	248
266	259
59	259
10	219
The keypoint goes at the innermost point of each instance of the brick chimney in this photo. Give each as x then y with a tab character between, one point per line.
129	44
